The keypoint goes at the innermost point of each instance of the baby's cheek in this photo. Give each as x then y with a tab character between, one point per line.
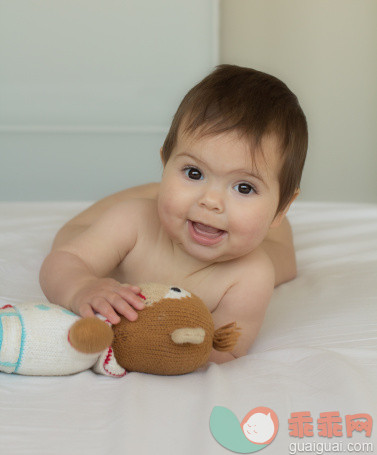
178	204
170	208
253	231
249	225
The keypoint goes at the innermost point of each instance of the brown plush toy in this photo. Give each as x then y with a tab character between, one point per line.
173	335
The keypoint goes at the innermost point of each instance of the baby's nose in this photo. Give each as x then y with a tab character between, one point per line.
212	199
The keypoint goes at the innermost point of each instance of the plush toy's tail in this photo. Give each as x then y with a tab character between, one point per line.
225	338
90	335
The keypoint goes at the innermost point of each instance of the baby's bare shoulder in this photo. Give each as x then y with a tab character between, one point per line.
138	209
126	219
251	269
135	203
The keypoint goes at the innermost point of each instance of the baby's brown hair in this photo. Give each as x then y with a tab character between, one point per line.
254	104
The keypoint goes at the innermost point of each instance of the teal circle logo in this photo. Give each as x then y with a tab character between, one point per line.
256	431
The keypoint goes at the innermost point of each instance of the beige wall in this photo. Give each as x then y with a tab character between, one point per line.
326	51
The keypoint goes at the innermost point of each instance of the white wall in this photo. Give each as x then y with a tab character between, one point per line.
326	52
88	89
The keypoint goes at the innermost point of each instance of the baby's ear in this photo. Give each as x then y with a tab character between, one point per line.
280	216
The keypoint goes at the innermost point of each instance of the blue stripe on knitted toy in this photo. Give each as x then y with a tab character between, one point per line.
7	364
69	312
10	313
1	334
43	307
23	336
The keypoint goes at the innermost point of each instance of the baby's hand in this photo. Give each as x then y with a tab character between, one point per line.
107	297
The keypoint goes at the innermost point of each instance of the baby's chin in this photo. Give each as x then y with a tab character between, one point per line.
207	254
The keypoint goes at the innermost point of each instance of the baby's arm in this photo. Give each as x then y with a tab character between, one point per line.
245	302
73	274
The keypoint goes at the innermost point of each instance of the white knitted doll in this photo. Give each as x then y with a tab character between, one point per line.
34	341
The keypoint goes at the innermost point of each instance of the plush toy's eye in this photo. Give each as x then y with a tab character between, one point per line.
176	293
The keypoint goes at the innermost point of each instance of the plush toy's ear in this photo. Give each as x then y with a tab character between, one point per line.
225	337
90	335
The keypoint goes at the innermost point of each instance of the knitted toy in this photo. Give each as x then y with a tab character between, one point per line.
174	334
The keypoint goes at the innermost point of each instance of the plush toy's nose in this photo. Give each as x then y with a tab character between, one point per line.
152	293
188	335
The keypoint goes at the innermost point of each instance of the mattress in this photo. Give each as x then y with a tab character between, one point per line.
316	353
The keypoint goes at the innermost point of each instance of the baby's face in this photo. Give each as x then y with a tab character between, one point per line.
213	202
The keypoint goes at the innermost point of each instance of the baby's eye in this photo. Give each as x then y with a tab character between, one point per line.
244	188
193	173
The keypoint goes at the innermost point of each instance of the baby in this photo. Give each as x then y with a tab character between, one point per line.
215	225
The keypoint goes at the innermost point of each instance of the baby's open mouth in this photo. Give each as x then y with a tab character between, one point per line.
206	230
204	234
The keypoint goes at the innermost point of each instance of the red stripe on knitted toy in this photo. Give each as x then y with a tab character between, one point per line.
107	361
6	306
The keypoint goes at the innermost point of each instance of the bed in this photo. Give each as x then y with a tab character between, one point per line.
316	352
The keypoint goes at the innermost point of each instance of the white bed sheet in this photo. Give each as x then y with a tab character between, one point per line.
317	350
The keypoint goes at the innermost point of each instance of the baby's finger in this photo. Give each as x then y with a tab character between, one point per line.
86	311
131	298
124	308
131	287
102	306
134	289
